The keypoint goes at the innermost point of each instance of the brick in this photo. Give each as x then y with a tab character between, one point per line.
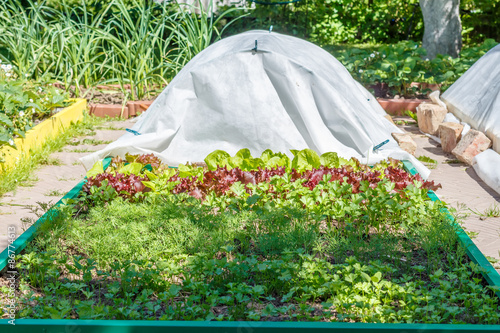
450	134
473	143
429	117
405	142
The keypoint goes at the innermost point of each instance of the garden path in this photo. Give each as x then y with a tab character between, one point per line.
464	191
22	207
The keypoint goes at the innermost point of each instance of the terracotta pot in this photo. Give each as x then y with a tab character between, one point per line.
397	107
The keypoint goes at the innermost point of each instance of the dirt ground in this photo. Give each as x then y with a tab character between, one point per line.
462	189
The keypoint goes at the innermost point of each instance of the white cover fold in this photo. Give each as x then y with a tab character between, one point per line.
289	94
475	97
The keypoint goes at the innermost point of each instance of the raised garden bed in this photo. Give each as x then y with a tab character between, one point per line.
131	109
42	132
331	241
397	107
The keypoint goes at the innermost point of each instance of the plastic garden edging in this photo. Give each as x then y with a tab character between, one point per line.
39	134
20	243
148	326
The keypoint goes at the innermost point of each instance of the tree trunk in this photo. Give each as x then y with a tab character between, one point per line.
442	27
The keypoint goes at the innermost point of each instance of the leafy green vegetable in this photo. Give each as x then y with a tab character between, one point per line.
306	159
217	158
96	169
131	168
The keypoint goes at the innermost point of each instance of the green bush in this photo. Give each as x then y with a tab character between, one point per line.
329	22
480	19
340	21
400	64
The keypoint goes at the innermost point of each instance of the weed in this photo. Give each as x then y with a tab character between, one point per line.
412	115
492	260
95	142
471	234
429	162
48	160
74	142
85	150
64	179
111	128
55	193
492	211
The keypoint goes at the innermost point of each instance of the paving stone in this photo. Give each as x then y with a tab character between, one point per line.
450	134
405	142
388	117
429	117
473	143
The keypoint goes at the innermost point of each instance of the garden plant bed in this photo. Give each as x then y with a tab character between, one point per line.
340	242
111	101
397	107
131	109
42	132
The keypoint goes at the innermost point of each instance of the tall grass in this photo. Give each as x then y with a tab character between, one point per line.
136	42
76	47
24	37
139	44
194	29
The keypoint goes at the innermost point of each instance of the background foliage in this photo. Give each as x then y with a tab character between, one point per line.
375	21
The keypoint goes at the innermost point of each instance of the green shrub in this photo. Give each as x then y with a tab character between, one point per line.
327	22
400	64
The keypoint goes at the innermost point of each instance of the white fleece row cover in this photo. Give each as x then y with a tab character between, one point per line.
475	97
261	90
486	165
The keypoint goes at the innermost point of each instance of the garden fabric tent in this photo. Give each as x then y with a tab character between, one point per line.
261	90
475	97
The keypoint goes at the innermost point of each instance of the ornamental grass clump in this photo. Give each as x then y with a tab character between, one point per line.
135	44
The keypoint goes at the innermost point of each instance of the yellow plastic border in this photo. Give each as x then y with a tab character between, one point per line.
42	132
